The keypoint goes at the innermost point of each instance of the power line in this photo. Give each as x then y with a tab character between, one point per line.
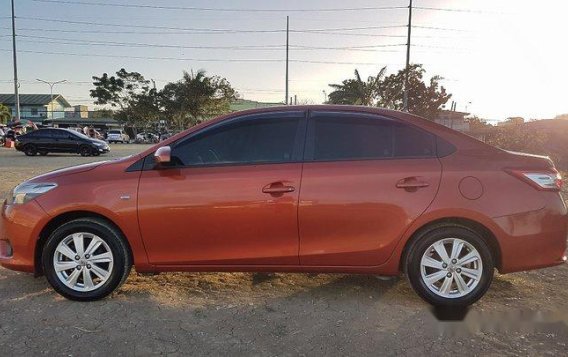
455	10
314	32
211	9
252	60
267	47
439	28
203	30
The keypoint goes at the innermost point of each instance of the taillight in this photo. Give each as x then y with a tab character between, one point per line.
547	180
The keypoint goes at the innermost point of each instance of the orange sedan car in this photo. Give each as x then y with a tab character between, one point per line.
334	189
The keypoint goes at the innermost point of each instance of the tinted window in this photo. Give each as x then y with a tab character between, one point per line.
410	141
353	137
245	141
59	134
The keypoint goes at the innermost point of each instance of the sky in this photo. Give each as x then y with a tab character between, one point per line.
499	58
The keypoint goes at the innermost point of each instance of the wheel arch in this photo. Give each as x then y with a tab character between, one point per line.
486	234
67	217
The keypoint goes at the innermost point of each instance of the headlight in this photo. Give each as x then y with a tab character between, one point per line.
101	145
28	191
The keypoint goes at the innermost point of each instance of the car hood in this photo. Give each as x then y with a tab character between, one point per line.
67	171
97	141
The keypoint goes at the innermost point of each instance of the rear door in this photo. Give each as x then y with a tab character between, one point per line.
365	179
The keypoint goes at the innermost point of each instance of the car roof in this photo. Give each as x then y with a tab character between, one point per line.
451	135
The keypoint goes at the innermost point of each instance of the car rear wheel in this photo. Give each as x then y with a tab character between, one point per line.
30	150
85	151
86	259
450	265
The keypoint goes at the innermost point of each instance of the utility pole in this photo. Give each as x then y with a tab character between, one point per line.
407	56
16	94
287	42
51	84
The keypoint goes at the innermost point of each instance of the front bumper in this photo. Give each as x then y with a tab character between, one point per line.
20	227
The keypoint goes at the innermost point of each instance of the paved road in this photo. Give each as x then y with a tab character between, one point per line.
281	314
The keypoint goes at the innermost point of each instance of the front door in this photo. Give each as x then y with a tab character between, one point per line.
365	179
229	196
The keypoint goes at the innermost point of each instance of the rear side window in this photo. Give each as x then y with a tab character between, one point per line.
245	141
59	134
359	137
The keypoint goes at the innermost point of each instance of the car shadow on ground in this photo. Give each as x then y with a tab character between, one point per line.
237	313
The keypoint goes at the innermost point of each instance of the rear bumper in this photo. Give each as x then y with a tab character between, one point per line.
19	232
535	239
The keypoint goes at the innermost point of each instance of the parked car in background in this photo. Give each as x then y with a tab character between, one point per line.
165	135
146	138
117	136
44	141
336	189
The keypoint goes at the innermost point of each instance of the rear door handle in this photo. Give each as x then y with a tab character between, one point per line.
277	188
411	183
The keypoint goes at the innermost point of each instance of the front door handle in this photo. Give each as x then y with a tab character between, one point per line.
277	188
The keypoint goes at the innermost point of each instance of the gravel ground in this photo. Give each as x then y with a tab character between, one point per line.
276	314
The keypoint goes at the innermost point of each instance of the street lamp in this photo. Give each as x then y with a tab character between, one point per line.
51	84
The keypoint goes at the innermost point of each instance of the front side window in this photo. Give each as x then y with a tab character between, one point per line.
360	137
258	140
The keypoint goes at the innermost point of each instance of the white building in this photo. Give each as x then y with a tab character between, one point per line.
453	119
37	107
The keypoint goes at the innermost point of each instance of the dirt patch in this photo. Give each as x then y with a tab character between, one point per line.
270	314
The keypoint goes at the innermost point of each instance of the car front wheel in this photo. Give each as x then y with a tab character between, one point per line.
30	150
85	151
86	259
450	265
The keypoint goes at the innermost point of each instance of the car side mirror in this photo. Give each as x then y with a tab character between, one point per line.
163	155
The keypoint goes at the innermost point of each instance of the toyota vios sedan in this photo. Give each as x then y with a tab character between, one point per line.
333	189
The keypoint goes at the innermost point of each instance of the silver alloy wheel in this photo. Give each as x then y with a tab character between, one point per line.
451	268
79	268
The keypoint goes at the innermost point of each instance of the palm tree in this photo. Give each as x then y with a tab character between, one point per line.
356	91
5	114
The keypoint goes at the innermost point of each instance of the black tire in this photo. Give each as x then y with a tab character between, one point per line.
436	233
85	150
118	246
43	153
30	150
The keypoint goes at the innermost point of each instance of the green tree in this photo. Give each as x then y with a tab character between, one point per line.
196	97
355	91
5	114
476	123
424	99
137	103
521	138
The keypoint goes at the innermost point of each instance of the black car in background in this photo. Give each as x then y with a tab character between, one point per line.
44	141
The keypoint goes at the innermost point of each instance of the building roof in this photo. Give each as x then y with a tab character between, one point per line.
33	99
82	121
